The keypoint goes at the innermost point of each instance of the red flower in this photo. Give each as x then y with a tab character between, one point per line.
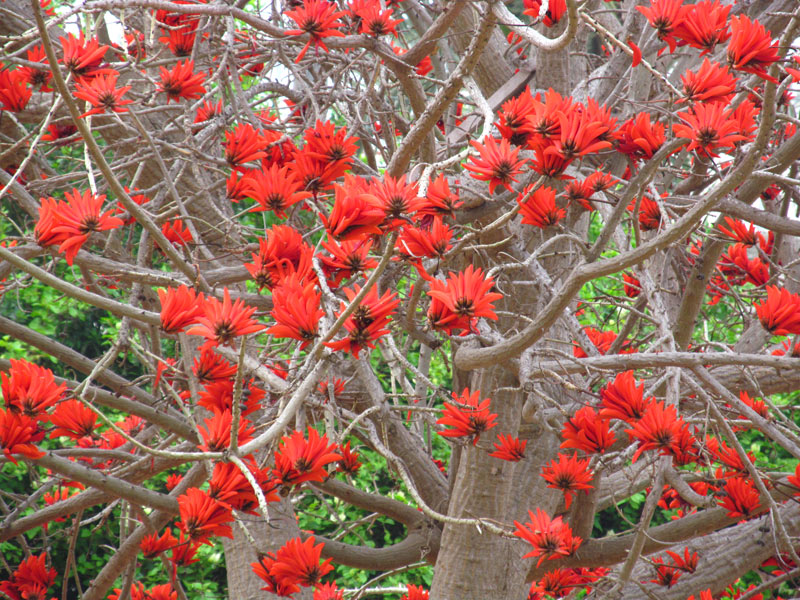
513	118
555	10
296	310
543	124
468	416
217	432
299	561
153	545
705	25
686	562
368	322
326	388
579	134
623	399
333	148
37	77
83	58
439	200
759	406
509	448
202	516
298	460
795	479
173	479
182	82
666	575
739	268
281	253
398	199
423	67
632	286
742	233
183	554
14	94
355	215
459	302
639	138
349	463
223	321
588	432
649	213
319	19
601	340
73	419
665	16
558	583
550	538
30	390
102	93
181	35
59	131
180	308
315	175
275	189
217	396
431	242
374	21
740	498
780	312
539	208
70	223
328	591
568	475
498	163
208	111
176	232
30	580
709	128
637	54
414	592
659	428
242	145
263	570
18	435
728	456
751	48
346	259
229	485
711	83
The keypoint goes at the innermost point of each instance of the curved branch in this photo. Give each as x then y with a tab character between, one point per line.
506	17
168	419
624	362
446	94
402	513
113	485
73	291
419	544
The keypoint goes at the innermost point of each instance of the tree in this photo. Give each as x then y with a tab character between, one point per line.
533	264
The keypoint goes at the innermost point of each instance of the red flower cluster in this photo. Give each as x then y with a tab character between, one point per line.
550	538
368	322
69	224
221	322
780	312
568	475
30	390
458	303
30	580
295	564
299	459
203	516
468	416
